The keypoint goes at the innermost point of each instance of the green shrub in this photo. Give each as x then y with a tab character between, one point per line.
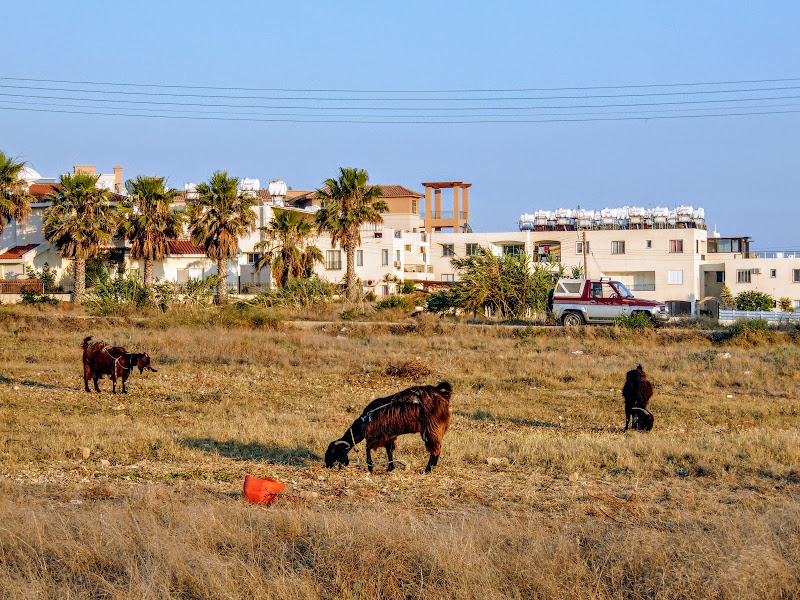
408	287
440	303
786	305
635	320
394	301
34	298
118	295
750	332
754	300
298	292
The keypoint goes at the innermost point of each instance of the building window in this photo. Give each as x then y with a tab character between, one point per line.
513	249
579	248
773	273
397	255
448	277
648	244
333	260
359	258
697	246
472	249
384	257
796	275
618	247
448	250
414	205
743	276
386	290
675	246
724	245
720	276
676	277
253	258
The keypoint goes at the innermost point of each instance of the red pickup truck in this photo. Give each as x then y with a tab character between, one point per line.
575	302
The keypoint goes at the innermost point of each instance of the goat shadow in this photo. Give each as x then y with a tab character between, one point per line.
32	384
253	451
484	415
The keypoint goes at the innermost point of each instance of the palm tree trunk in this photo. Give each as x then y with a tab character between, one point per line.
352	292
148	272
80	280
222	285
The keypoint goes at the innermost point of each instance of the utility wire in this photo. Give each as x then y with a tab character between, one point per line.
396	91
400	99
395	121
400	108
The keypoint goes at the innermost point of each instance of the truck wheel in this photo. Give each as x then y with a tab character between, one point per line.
572	319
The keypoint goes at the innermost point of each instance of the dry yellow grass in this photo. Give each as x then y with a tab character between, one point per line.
538	493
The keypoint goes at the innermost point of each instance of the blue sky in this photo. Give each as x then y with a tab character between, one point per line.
742	169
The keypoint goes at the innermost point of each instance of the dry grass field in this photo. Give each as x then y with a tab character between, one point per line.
538	492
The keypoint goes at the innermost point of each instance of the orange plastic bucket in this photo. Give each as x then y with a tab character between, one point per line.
261	491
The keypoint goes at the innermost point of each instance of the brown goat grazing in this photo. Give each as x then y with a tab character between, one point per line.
101	359
423	409
637	392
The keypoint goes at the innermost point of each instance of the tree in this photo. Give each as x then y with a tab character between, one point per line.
502	285
152	221
347	204
289	252
754	300
218	217
14	197
80	221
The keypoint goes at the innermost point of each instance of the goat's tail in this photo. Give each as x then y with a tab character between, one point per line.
86	341
445	389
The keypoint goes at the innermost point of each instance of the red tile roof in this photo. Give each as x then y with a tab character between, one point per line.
17	252
179	247
42	189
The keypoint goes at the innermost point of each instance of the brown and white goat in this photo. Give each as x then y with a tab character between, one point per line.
637	392
101	359
423	409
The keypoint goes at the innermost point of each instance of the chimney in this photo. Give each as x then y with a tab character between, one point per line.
90	169
118	180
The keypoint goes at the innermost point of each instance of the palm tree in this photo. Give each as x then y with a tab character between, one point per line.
348	203
289	253
80	220
218	217
152	222
14	198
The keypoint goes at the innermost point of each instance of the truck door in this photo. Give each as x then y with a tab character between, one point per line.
604	303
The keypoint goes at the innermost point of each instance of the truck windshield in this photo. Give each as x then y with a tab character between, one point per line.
623	291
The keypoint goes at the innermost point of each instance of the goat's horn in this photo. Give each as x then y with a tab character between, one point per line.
342	442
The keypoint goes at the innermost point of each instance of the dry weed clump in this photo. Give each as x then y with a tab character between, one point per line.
412	369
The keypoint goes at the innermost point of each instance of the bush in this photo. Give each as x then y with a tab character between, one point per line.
34	298
635	320
408	288
46	275
786	305
750	332
298	292
114	296
394	301
754	300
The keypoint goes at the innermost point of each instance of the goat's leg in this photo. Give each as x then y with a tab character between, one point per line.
390	455
432	461
124	386
96	387
369	459
627	419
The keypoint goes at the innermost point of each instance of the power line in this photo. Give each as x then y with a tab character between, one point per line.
421	122
356	114
401	108
400	99
397	91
